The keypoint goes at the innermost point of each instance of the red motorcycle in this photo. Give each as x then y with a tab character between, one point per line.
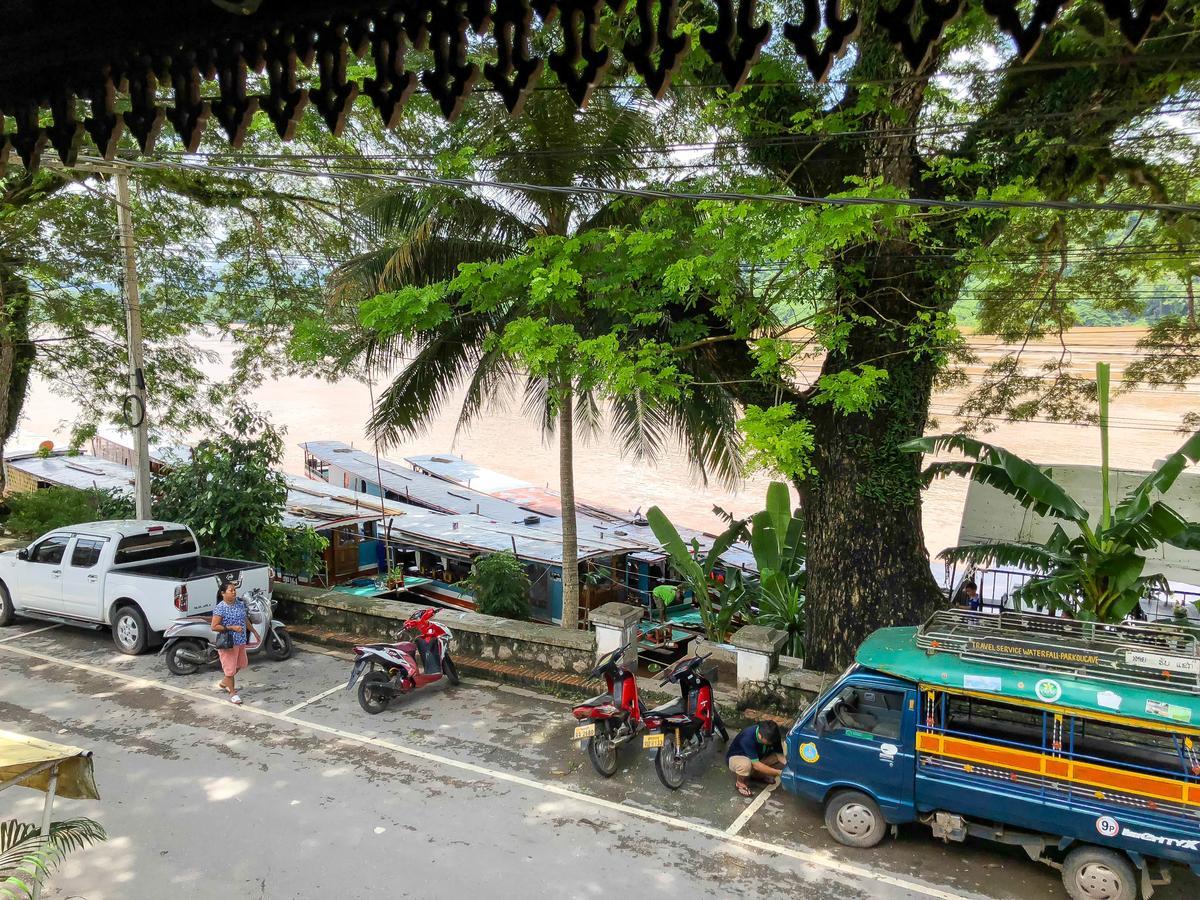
682	728
612	718
395	669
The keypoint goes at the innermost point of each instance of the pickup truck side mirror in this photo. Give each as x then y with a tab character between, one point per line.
23	553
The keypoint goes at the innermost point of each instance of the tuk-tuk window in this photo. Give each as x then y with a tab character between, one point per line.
865	709
1137	748
976	717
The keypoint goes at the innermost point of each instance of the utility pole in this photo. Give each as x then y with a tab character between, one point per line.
135	403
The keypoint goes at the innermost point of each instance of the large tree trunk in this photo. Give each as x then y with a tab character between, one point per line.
16	357
566	490
867	564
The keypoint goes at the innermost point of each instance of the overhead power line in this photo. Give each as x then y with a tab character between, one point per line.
728	196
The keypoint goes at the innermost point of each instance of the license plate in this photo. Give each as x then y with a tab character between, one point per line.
652	740
584	731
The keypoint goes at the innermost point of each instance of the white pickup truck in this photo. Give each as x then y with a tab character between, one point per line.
136	577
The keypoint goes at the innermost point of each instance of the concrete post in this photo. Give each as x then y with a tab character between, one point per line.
757	651
617	625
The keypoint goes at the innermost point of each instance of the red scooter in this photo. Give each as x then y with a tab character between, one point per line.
395	669
613	718
682	728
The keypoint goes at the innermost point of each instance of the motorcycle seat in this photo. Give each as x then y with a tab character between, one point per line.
601	700
673	708
407	647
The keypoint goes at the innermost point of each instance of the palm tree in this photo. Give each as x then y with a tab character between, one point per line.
1096	574
27	858
422	235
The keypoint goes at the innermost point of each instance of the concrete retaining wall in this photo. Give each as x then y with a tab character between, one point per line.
475	635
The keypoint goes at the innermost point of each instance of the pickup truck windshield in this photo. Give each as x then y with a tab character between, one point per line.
140	548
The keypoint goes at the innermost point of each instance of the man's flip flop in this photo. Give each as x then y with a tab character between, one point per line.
744	790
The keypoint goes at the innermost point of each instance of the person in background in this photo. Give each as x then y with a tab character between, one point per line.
756	752
968	596
230	617
664	595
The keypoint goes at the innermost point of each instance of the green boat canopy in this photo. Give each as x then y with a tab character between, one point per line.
895	652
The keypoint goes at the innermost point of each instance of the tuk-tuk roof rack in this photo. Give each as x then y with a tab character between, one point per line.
1166	657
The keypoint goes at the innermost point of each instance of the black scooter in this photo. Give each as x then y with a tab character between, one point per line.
682	728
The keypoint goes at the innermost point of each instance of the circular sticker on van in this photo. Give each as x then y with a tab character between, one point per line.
1048	690
808	753
1108	826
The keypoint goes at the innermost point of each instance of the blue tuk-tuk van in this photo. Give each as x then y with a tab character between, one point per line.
1076	741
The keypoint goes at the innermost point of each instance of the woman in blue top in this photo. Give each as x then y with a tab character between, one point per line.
229	617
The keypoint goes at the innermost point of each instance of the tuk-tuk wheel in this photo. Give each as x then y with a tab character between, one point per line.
854	819
1096	873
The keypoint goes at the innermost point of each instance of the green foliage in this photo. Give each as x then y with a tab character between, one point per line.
1096	574
500	586
27	859
697	574
232	495
777	540
776	441
34	513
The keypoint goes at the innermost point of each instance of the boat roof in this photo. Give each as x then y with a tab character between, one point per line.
595	522
458	470
468	535
321	506
415	487
897	652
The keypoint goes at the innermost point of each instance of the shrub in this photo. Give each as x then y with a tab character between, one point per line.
500	586
36	512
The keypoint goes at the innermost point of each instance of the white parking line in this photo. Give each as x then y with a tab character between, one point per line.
13	637
814	858
748	813
320	696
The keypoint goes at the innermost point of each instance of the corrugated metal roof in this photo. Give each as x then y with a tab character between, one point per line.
318	505
463	535
414	487
80	470
596	522
458	470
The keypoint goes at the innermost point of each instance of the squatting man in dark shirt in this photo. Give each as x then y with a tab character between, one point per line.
756	753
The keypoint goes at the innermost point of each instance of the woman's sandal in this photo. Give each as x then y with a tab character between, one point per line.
221	687
235	699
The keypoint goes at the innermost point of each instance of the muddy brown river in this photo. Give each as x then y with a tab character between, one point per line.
312	409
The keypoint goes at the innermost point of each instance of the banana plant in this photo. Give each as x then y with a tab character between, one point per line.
777	540
697	574
1093	571
27	858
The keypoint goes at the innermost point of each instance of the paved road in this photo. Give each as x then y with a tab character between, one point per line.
450	793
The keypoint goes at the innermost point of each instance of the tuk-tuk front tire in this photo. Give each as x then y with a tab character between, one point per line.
854	819
1097	873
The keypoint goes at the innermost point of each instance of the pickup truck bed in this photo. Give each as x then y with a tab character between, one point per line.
191	568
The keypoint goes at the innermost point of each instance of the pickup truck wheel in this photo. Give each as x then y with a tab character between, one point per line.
854	819
6	607
1094	873
131	634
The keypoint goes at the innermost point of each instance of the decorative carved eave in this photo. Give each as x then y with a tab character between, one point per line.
64	62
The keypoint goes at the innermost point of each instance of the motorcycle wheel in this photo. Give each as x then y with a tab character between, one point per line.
278	645
175	661
450	670
669	764
371	695
603	753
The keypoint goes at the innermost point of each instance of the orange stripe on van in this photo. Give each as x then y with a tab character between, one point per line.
1094	776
